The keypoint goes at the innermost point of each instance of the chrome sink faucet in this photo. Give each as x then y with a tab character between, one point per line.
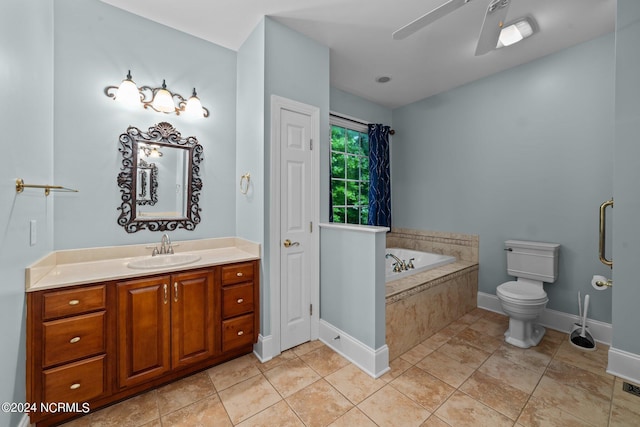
165	246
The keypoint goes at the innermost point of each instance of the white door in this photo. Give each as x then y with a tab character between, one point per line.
296	216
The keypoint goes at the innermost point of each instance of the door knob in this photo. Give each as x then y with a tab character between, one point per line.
288	243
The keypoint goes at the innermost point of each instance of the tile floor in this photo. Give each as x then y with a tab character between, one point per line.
465	375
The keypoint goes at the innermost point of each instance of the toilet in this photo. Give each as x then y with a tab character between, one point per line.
532	263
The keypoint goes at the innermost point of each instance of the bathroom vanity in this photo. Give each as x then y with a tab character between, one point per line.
107	323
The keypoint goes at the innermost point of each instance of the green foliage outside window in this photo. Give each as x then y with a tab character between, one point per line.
349	175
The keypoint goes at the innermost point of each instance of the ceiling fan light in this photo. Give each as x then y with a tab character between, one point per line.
515	32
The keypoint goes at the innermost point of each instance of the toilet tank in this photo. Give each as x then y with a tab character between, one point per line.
532	260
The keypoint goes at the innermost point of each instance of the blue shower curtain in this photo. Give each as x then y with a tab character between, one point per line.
379	176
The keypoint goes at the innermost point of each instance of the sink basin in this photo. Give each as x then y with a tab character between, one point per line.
160	261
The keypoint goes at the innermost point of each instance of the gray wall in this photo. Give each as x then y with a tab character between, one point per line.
95	45
26	118
250	147
358	108
626	213
523	154
352	296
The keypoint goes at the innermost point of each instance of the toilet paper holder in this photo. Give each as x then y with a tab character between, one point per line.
608	283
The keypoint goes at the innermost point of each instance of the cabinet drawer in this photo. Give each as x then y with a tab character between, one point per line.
237	332
237	273
75	382
73	338
237	299
74	301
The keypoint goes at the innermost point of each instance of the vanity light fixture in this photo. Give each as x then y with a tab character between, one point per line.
516	32
159	99
151	151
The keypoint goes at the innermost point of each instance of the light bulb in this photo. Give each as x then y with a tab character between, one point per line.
163	100
194	106
128	93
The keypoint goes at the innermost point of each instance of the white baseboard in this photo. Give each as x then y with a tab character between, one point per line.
553	319
373	362
624	365
263	349
24	422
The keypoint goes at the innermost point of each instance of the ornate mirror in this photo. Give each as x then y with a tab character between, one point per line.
159	179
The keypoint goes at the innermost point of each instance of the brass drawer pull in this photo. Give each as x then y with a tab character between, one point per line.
239	274
240	333
74	340
175	291
74	302
165	293
75	386
240	301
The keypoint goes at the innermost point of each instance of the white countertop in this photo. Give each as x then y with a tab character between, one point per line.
92	265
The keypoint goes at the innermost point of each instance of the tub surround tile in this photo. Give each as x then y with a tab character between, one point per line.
462	246
417	314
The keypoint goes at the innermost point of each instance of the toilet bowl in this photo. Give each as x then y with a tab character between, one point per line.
532	263
523	302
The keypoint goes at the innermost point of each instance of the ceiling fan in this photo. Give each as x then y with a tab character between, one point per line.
491	27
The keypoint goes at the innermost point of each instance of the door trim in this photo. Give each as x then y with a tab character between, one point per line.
277	104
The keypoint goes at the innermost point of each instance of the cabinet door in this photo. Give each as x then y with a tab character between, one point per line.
144	340
192	317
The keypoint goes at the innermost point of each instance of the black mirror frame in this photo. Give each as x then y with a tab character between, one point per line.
161	134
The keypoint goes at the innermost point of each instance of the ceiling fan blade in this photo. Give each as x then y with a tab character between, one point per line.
428	18
492	25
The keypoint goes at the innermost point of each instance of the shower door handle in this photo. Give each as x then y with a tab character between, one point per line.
603	218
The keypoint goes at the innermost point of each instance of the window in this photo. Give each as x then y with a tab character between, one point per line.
349	171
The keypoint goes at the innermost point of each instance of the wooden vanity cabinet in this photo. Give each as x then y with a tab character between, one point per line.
164	323
100	343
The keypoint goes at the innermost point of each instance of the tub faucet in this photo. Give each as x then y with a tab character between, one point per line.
399	264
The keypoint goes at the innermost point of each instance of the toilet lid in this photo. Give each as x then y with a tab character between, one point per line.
521	291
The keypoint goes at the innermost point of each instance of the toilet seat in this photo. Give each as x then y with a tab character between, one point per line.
522	293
